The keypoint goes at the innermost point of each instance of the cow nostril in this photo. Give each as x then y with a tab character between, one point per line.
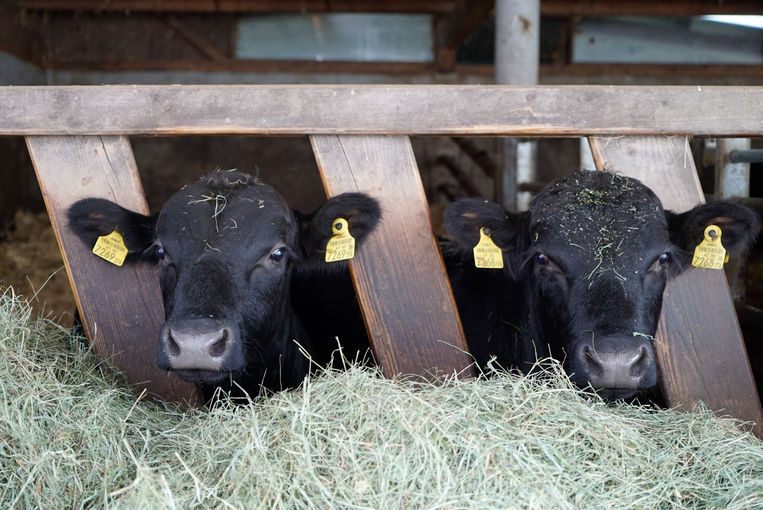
219	346
172	345
591	361
640	363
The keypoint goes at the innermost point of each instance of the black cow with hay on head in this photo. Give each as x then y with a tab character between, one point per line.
580	275
231	254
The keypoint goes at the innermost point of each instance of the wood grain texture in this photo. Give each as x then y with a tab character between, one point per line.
121	307
399	274
698	342
381	109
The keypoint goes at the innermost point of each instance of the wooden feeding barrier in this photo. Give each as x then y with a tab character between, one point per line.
77	137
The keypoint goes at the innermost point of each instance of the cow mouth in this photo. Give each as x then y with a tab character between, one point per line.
611	394
202	376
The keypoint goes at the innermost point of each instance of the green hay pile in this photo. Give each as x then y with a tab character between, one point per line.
71	436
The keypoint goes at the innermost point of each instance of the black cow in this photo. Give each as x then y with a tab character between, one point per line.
585	268
227	248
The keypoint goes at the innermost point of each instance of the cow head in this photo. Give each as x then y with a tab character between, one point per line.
225	248
593	255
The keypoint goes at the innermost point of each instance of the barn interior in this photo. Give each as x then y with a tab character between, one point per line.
93	42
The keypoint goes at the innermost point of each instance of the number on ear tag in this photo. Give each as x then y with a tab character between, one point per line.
111	248
341	246
486	254
710	253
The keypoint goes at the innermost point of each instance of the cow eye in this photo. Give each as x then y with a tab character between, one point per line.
541	259
277	254
160	253
664	259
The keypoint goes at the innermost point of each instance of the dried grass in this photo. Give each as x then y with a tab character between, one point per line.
72	437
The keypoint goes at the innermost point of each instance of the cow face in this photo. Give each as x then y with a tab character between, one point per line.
593	255
224	251
225	247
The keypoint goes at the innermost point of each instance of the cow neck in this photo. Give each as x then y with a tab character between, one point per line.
282	350
533	344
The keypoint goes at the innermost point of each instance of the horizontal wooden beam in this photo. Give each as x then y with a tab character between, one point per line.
548	7
303	6
648	8
615	71
203	64
445	110
595	72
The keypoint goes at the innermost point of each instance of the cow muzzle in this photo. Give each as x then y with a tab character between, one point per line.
619	364
199	345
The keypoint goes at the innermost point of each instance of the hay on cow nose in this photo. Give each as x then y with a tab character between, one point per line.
72	436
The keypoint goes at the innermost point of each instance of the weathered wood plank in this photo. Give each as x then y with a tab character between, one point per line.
121	308
699	346
381	109
399	275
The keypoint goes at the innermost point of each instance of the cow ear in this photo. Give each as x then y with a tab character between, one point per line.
91	218
464	218
739	226
361	212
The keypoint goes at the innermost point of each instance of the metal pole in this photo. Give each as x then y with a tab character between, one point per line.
732	180
517	57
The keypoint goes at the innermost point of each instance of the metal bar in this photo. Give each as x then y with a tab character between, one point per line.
746	156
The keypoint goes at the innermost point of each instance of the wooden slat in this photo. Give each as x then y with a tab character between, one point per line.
699	346
121	307
381	109
399	275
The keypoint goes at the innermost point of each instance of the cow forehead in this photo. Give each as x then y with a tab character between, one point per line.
211	216
599	216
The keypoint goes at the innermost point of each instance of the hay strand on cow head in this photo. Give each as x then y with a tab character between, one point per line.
73	437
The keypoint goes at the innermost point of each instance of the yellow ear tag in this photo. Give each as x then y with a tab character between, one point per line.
341	246
710	253
111	248
486	254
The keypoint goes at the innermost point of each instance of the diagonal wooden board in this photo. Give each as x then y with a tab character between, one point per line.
121	307
399	274
699	346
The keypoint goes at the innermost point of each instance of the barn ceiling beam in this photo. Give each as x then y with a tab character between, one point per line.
453	29
197	40
186	41
93	41
648	8
548	7
250	6
20	36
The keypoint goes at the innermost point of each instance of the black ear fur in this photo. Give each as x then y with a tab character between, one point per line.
739	226
91	218
361	212
464	218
